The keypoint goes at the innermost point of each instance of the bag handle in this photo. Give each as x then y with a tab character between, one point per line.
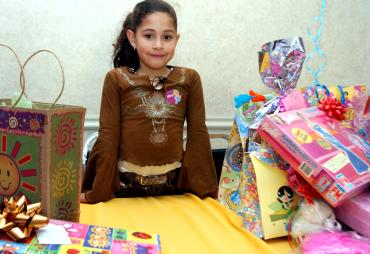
21	77
342	95
327	92
61	68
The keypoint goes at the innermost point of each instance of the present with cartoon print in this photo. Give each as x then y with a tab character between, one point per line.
40	154
332	158
352	98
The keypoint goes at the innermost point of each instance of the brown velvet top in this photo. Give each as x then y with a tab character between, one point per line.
144	126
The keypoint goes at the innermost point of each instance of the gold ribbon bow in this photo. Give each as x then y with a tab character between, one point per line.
18	219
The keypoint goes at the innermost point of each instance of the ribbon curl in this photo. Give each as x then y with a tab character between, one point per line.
18	219
242	99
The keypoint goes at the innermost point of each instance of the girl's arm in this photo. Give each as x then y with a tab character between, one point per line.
101	176
198	173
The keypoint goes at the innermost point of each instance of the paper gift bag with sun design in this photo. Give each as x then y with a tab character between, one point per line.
40	153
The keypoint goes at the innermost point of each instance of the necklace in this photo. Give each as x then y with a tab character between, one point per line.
158	81
158	136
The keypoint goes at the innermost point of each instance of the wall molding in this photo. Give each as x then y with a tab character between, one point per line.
214	124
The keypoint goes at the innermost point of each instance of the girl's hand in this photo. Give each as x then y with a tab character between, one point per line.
83	198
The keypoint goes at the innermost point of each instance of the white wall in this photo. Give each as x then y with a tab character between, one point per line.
218	38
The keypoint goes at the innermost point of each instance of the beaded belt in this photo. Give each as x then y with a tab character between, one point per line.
151	180
135	179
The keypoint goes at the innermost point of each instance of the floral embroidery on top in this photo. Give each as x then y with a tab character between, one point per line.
157	109
155	106
130	81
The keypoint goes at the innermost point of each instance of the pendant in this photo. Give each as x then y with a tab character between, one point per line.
158	138
158	86
158	82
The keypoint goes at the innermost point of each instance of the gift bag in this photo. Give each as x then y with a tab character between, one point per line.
237	187
40	154
253	185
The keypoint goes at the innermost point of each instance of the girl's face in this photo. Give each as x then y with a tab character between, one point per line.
155	41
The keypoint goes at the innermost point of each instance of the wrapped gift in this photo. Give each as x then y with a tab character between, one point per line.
355	213
332	158
254	186
237	188
40	153
246	184
275	197
88	239
353	98
280	65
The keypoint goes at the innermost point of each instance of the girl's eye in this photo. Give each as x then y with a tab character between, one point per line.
148	36
167	37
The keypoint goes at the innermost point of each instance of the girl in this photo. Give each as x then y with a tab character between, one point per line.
139	151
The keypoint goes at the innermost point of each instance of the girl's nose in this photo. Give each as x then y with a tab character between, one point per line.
158	44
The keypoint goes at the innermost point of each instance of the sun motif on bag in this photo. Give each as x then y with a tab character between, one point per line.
65	210
65	136
17	168
63	179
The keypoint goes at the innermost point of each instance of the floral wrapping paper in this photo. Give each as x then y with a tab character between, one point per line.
238	186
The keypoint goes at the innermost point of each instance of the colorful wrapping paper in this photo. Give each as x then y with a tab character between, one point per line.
90	239
354	99
332	158
237	188
280	64
249	186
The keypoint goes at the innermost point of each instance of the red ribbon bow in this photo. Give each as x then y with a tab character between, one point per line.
332	107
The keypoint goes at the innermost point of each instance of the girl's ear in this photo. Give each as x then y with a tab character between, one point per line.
177	39
131	37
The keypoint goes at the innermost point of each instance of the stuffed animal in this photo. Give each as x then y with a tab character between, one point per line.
313	217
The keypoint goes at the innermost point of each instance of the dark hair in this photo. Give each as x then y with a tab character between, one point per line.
281	193
124	54
282	190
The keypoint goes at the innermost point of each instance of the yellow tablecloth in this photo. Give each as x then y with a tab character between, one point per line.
185	223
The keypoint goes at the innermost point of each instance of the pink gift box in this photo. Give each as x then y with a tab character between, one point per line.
355	213
328	156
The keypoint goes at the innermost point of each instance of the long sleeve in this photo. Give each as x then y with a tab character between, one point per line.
101	176
198	174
